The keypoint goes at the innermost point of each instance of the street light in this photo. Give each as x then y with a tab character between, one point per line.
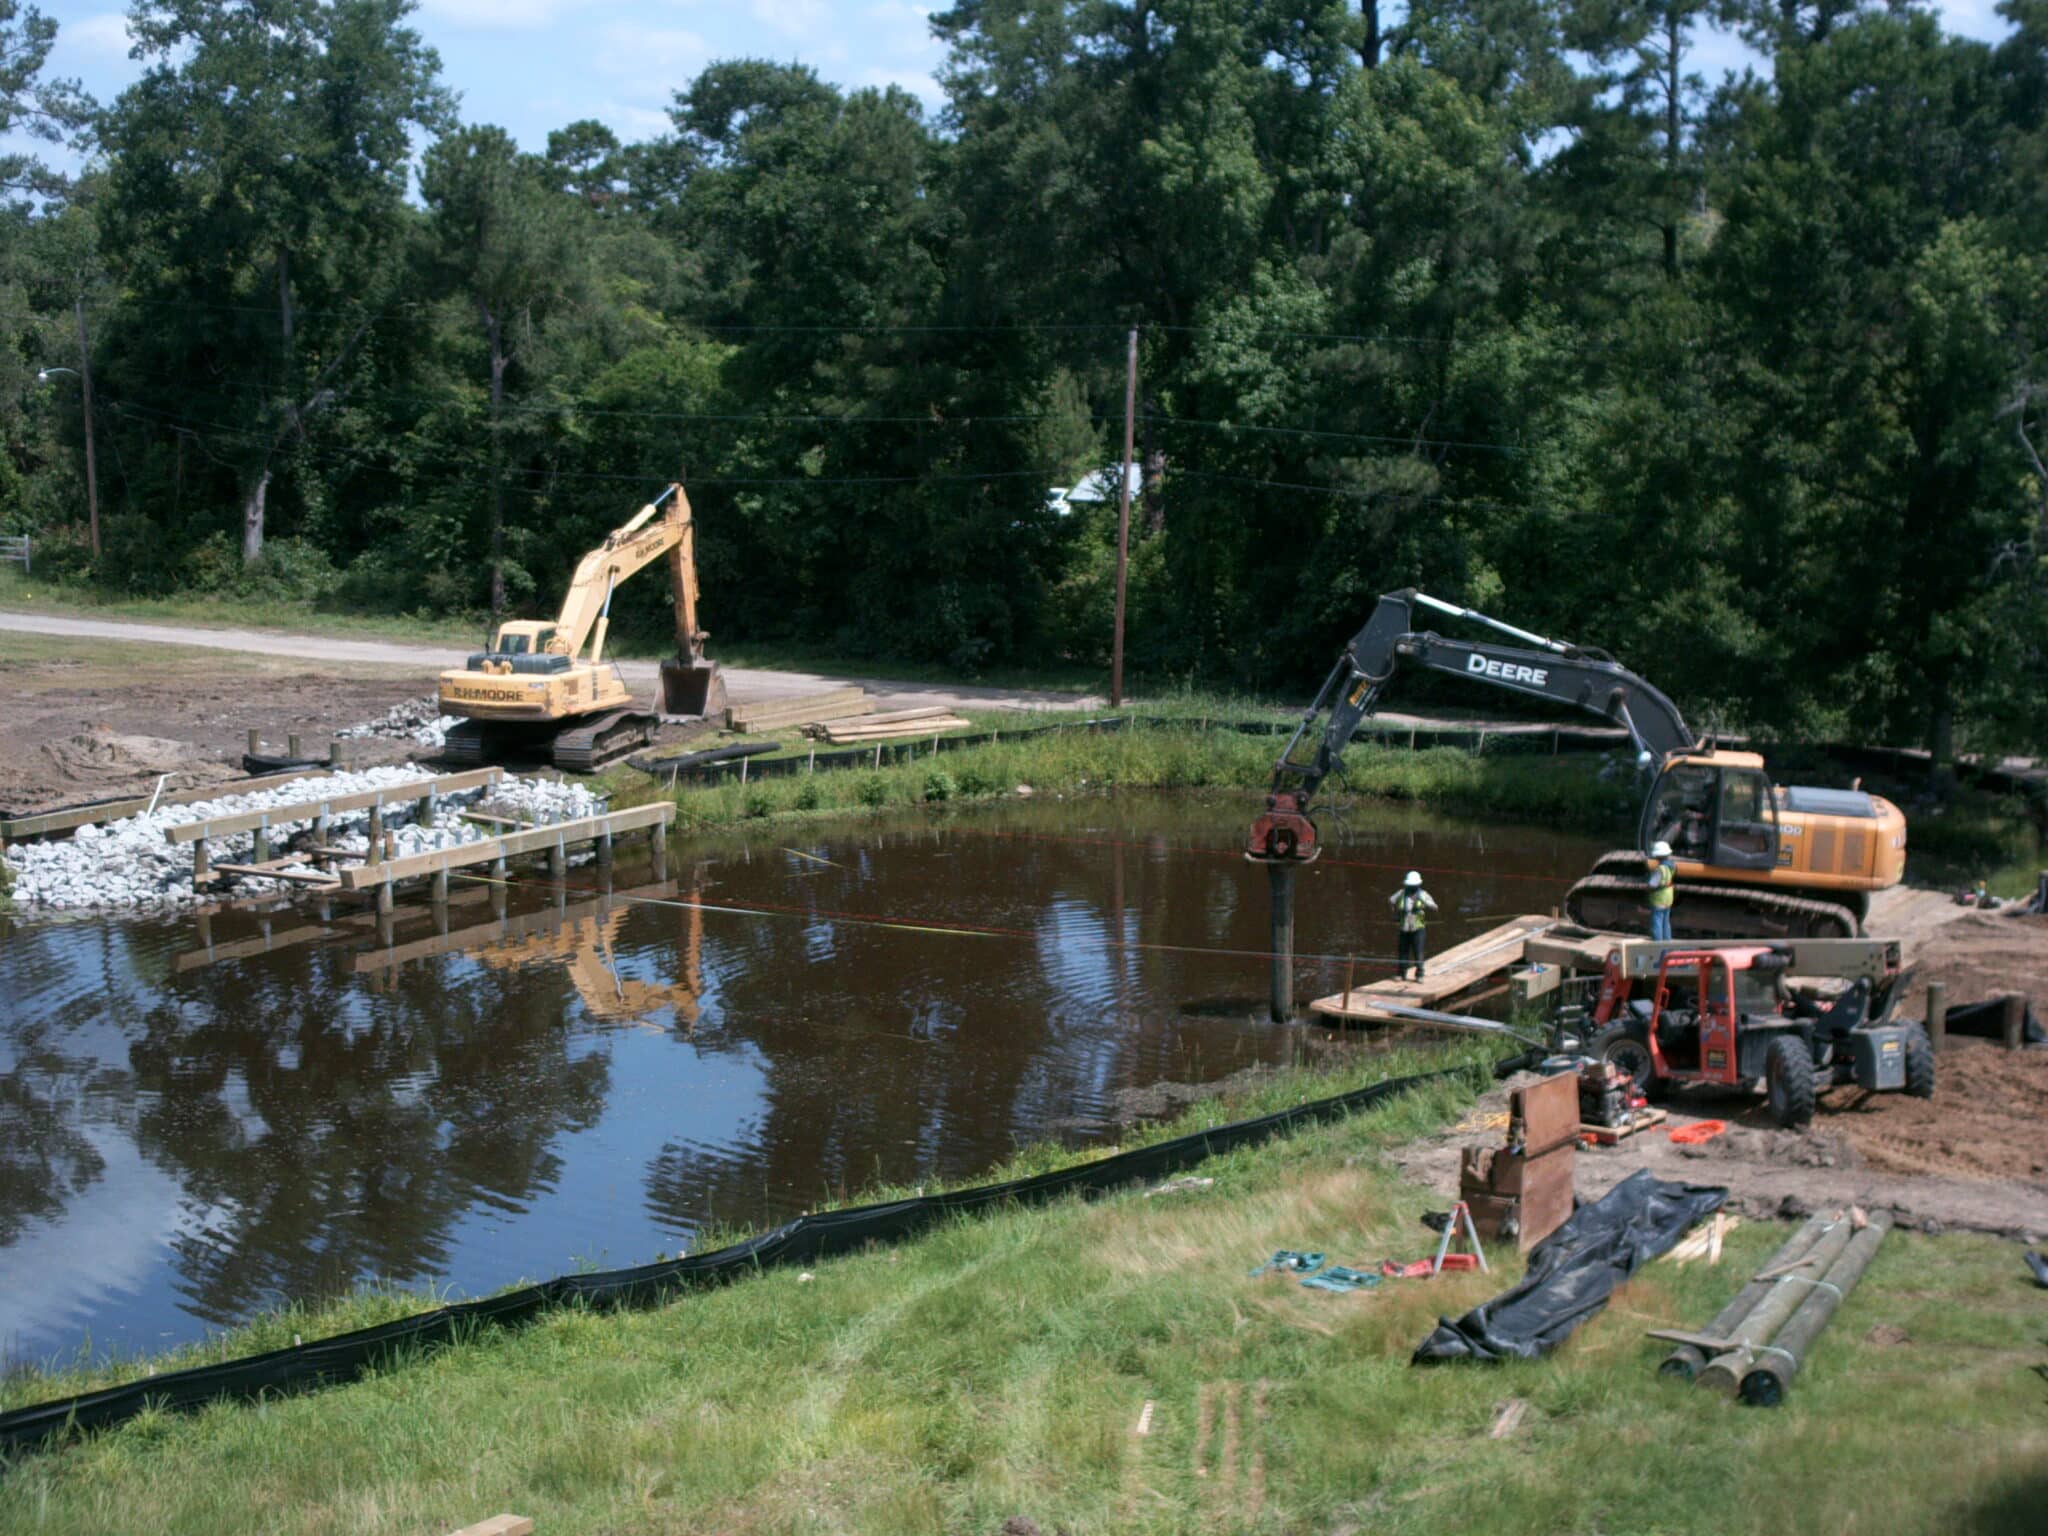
92	478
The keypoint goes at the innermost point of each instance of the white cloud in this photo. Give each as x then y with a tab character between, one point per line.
497	15
792	18
104	36
660	57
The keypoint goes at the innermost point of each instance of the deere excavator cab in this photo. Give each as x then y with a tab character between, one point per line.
1752	859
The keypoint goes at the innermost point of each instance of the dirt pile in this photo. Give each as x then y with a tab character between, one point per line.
1984	1121
1981	955
95	758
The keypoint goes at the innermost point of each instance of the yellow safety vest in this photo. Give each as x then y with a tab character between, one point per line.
1414	914
1662	892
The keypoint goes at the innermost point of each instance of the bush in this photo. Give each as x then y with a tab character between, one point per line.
874	790
974	779
132	557
757	803
808	795
939	785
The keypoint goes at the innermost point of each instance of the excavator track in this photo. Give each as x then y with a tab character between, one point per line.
591	743
1615	903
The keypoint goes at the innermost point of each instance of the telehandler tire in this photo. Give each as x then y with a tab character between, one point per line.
1919	1063
1623	1045
1788	1080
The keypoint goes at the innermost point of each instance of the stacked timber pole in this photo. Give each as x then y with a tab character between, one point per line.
1768	1329
1764	1383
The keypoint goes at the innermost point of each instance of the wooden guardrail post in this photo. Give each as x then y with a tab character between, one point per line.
1937	1015
255	741
2015	1021
262	840
291	745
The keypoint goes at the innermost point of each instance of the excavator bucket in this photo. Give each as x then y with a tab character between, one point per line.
692	688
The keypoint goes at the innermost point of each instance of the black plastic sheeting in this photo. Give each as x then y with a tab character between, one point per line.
1573	1271
803	1241
1987	1021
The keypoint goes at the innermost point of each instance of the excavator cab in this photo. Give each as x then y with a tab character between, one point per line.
1718	809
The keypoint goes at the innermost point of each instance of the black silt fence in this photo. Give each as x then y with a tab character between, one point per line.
805	1240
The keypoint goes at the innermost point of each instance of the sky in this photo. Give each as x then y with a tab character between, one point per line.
532	65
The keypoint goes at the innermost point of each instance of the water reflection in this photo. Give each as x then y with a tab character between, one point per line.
204	1117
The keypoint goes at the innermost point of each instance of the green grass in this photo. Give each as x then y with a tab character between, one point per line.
1978	835
1564	792
999	1365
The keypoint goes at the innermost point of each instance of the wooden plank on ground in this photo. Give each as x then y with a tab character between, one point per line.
769	713
909	728
101	811
564	834
1458	971
498	1525
308	810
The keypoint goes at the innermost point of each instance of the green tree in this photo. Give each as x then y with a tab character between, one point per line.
253	209
504	241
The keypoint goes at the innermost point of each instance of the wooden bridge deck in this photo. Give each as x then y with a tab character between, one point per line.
1461	974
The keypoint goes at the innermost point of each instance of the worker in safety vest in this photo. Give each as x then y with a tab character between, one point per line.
1412	904
1663	884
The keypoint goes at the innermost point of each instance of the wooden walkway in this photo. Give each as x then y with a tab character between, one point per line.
1462	974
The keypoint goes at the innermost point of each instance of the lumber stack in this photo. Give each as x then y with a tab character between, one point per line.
804	709
896	724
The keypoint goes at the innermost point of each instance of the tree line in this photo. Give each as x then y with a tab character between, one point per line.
1743	380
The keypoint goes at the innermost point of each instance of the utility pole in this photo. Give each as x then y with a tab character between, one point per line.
1123	522
92	475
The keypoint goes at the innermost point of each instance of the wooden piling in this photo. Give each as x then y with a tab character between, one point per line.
604	850
384	898
376	834
1280	883
263	841
1937	1015
291	745
2015	1021
255	741
439	888
202	873
657	844
1764	1384
1686	1360
1723	1374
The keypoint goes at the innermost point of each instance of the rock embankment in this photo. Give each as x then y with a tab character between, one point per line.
130	864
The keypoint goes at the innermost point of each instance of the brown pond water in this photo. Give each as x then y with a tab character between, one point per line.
203	1118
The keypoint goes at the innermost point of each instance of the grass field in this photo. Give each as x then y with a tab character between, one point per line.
1001	1366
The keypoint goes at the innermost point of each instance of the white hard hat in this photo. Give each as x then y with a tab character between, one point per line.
1660	850
1413	877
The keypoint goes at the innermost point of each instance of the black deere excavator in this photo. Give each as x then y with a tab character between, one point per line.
1753	859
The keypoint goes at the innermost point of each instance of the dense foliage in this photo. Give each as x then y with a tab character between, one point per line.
1745	382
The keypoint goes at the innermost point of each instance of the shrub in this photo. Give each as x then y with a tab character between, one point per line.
757	803
808	795
940	785
974	779
874	790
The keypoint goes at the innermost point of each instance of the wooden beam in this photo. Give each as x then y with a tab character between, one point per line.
498	1525
307	810
271	871
363	877
46	822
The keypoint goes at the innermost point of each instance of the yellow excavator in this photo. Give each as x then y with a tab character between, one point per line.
535	692
1753	859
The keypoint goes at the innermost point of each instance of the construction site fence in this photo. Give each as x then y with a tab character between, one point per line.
806	1240
696	769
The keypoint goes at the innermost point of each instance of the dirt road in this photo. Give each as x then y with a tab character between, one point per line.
745	685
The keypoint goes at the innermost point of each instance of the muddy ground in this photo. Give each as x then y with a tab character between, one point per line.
1975	1156
88	720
